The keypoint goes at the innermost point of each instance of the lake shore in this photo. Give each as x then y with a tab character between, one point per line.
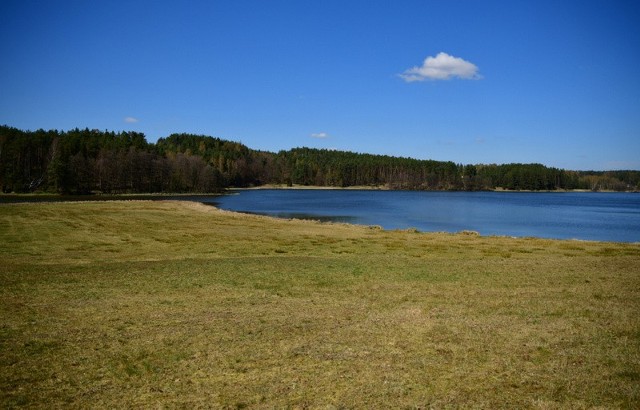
98	195
521	213
570	215
316	187
175	303
387	188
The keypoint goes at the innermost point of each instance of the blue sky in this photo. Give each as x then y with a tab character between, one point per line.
554	82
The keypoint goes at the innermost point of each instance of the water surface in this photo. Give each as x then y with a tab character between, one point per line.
584	215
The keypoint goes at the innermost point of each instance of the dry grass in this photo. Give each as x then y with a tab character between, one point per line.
173	304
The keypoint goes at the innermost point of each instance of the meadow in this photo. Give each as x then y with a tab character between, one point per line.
176	304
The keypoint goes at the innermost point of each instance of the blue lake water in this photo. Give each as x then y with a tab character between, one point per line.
584	215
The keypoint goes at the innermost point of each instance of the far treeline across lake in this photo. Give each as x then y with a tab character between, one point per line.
86	161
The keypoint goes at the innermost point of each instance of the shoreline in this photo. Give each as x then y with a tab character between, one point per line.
315	187
285	187
249	216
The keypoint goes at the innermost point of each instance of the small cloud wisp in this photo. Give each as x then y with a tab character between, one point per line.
320	135
442	67
130	120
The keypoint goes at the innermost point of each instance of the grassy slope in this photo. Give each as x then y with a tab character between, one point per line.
123	304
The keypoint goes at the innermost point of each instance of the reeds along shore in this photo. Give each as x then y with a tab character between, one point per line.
154	304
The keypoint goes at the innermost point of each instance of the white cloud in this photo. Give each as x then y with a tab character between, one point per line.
442	67
130	120
320	135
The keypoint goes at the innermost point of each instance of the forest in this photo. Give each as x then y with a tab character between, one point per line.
84	161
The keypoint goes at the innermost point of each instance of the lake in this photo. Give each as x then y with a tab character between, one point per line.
570	215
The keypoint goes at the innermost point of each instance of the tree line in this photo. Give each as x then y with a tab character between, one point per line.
92	161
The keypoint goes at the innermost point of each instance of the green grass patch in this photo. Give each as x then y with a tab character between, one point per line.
174	304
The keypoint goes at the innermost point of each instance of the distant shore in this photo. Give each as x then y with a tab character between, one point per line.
43	196
317	187
387	188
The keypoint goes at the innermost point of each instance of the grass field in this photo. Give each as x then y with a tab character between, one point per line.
176	304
